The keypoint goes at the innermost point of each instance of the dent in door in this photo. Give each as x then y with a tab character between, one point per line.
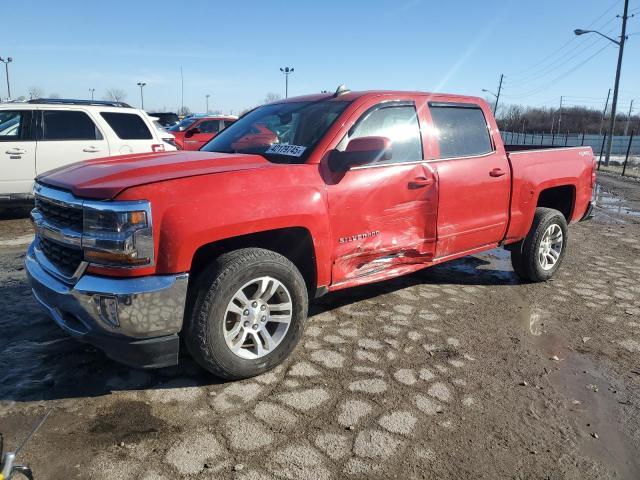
395	231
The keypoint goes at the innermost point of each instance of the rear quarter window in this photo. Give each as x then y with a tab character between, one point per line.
127	126
461	130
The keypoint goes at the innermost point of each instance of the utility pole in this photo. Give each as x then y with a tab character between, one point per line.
92	90
207	97
495	105
620	43
604	112
497	95
287	71
6	62
614	103
560	116
626	127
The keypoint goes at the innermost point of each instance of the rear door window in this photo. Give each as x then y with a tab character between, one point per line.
226	123
68	125
127	126
461	130
209	126
14	125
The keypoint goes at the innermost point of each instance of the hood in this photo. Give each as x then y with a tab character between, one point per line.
106	177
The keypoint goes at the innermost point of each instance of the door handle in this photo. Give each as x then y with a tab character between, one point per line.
90	149
497	172
420	182
16	151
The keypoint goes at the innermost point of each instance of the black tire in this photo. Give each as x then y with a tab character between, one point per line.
524	255
203	332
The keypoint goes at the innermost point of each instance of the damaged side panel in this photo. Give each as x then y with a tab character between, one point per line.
381	221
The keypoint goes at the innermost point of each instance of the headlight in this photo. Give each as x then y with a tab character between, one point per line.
118	234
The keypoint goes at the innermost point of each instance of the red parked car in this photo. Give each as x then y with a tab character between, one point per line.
193	132
226	247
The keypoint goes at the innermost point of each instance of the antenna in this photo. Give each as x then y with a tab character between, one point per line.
341	90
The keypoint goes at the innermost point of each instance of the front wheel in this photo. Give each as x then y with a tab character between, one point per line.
539	255
249	313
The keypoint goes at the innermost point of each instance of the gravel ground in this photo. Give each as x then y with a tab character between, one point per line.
458	371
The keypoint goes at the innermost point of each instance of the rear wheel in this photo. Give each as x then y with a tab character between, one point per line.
249	313
539	255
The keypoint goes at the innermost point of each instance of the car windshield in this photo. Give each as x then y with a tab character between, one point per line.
281	132
183	125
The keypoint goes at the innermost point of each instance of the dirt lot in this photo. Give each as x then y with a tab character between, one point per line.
455	372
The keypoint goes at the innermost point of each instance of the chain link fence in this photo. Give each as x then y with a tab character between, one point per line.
625	150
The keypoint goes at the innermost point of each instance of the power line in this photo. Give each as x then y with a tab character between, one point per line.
560	77
569	42
559	64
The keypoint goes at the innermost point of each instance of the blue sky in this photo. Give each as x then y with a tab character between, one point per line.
233	50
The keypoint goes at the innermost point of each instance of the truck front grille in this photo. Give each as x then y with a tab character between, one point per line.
66	259
62	215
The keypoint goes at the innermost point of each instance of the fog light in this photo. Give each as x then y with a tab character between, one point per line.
109	310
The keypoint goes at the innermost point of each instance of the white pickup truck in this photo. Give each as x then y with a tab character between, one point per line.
44	134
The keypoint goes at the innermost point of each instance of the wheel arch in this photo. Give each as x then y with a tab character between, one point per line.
559	197
293	243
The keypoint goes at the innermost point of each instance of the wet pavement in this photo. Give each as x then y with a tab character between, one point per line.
458	371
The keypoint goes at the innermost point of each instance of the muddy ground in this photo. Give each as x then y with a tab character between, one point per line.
458	371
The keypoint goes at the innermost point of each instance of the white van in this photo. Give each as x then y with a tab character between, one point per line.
44	134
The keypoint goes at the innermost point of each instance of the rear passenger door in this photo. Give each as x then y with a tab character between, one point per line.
132	134
474	179
65	137
17	152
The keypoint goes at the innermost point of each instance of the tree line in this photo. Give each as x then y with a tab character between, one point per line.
575	119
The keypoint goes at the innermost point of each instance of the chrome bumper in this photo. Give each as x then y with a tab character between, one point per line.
134	320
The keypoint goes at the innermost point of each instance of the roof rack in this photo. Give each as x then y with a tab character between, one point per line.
71	101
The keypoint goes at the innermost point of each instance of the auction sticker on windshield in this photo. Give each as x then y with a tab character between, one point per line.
282	149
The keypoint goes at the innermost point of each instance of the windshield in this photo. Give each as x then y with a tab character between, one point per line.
183	125
283	132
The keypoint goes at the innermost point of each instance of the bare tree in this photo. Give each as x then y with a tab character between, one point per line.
271	97
115	95
184	110
54	95
35	92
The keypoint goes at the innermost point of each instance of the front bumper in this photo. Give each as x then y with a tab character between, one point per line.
133	320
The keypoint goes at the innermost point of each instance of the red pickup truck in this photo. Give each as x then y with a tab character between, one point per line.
224	247
193	132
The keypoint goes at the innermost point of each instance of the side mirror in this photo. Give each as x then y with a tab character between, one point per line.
360	151
191	132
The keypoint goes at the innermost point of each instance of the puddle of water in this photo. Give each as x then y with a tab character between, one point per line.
611	203
495	263
591	398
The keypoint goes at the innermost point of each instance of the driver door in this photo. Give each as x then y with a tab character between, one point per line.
383	215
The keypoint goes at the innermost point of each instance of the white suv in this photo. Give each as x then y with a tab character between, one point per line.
44	134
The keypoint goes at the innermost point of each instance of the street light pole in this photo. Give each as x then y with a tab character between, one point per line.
6	62
141	84
287	71
207	97
92	90
620	43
